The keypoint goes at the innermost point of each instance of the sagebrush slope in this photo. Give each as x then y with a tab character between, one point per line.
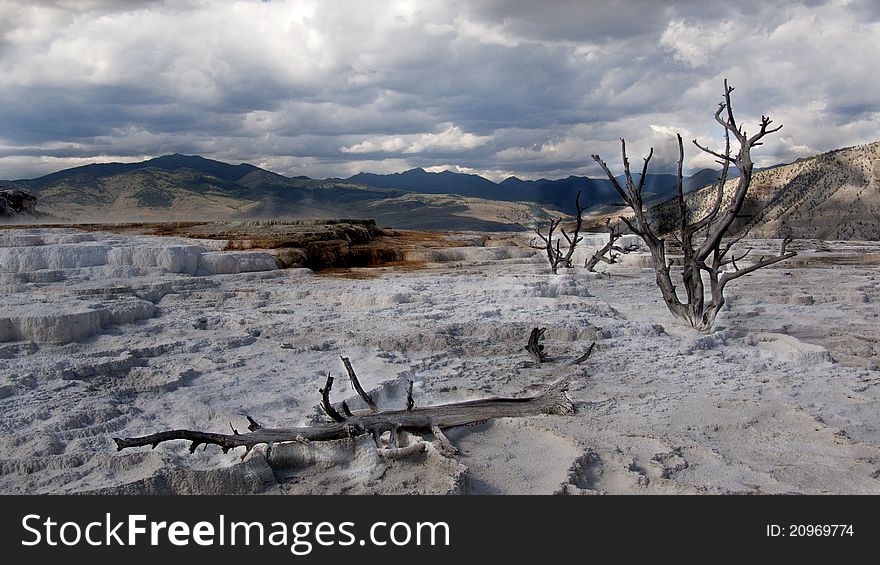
834	196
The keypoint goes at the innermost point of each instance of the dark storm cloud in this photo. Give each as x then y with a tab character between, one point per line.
495	87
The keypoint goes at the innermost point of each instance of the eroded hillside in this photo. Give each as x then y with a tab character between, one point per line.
833	196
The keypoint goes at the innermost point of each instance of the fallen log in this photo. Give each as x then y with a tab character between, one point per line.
427	419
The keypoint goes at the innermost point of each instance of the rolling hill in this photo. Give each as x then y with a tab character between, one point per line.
833	196
181	187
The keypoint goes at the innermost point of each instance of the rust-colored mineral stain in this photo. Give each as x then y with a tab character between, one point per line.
354	249
375	272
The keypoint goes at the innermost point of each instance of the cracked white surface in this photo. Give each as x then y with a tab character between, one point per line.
782	398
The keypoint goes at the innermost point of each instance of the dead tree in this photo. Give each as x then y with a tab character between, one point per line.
536	350
534	347
609	249
710	255
555	256
432	419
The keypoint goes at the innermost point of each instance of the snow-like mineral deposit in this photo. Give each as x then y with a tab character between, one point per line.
106	335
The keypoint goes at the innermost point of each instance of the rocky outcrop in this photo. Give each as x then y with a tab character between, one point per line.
234	262
271	234
315	244
46	321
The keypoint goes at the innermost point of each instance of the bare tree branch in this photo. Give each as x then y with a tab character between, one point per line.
409	397
368	400
585	356
613	180
554	255
713	227
719	192
600	255
325	400
553	401
761	263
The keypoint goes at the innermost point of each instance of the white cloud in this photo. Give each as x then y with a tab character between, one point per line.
36	166
496	175
485	33
432	28
527	88
451	139
379	166
384	145
696	44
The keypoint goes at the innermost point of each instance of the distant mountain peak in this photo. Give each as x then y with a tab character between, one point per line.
170	162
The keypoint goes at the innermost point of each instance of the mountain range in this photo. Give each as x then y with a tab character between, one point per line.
184	187
832	195
193	187
554	194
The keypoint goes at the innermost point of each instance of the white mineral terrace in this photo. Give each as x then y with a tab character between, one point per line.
106	335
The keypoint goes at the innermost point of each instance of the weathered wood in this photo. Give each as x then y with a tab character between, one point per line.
419	419
325	400
565	260
534	347
356	384
609	249
409	397
398	452
253	425
709	255
394	437
345	409
552	254
585	356
444	441
555	256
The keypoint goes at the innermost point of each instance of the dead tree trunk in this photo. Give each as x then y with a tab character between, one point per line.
431	419
709	256
534	347
555	256
609	249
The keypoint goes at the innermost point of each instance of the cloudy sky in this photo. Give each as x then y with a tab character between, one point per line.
516	87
